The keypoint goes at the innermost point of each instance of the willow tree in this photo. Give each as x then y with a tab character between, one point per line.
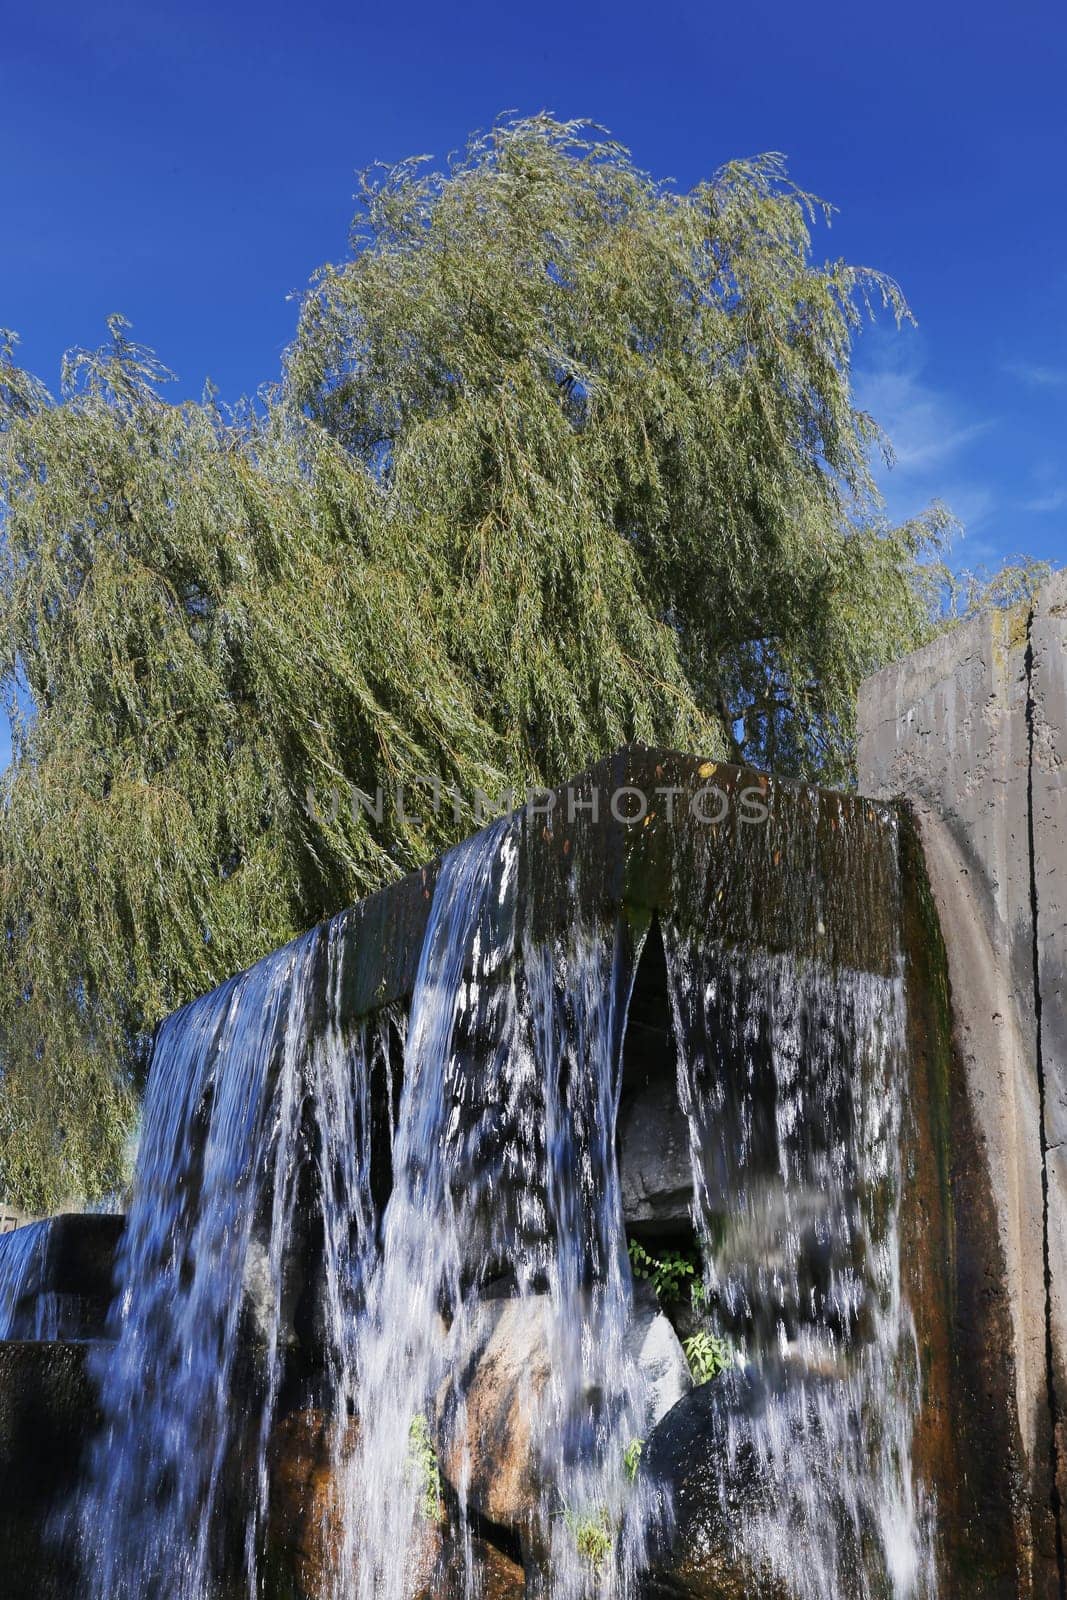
559	458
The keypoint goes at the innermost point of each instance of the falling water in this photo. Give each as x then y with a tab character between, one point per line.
791	1073
504	1173
417	1300
20	1259
244	1094
595	1401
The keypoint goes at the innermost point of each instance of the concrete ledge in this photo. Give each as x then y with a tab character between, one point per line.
67	1286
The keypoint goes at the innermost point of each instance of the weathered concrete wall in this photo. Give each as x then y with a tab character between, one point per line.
973	731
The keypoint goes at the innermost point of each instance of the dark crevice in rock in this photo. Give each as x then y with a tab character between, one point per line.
492	1533
1050	1364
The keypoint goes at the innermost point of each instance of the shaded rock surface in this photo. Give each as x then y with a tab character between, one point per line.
687	1456
971	730
48	1414
657	1177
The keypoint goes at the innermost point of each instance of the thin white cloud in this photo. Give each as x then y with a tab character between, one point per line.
933	437
1054	500
976	555
925	425
1036	376
974	504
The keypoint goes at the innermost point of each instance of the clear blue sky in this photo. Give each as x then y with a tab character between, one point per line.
191	165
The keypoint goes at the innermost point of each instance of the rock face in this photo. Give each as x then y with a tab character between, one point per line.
657	1176
498	1576
305	1499
687	1456
508	1366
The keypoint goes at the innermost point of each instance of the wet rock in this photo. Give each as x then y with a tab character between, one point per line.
506	1367
687	1456
497	1577
307	1511
655	1346
48	1416
654	1159
306	1500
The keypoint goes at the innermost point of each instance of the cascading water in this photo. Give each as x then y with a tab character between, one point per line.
20	1252
308	1250
243	1093
595	1404
503	1161
504	1165
791	1075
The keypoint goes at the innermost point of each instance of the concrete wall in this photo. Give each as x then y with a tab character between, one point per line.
972	731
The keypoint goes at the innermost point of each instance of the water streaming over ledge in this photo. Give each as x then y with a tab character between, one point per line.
321	1229
20	1259
797	1176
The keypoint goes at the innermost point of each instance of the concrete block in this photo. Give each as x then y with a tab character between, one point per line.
971	731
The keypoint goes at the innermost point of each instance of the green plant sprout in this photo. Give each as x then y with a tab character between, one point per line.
591	1532
667	1273
707	1355
423	1467
632	1457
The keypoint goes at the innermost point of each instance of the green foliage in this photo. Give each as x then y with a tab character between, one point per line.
424	1467
560	458
667	1272
708	1355
591	1532
543	335
958	596
632	1457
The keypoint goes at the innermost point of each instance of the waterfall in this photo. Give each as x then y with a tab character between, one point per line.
504	1164
342	1228
595	1403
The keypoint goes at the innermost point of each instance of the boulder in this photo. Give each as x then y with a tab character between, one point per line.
712	1490
656	1348
506	1364
306	1520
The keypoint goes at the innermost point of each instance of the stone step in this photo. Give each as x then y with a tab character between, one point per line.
57	1277
48	1415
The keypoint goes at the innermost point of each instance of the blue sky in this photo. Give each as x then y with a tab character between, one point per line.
191	165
